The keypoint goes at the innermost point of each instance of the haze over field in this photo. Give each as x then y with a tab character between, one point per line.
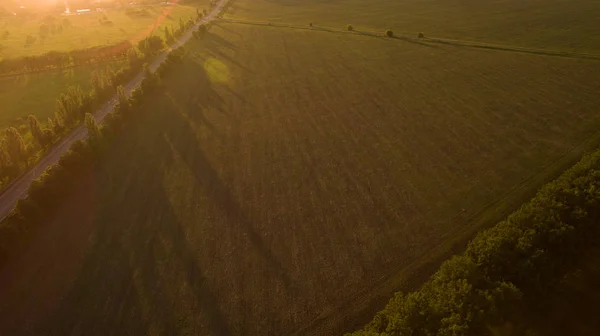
298	162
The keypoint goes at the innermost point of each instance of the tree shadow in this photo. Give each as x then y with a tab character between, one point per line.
217	39
120	289
184	142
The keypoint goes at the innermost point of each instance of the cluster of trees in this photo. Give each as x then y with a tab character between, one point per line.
46	194
508	270
59	60
14	151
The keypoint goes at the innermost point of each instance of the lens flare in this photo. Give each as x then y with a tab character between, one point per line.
217	71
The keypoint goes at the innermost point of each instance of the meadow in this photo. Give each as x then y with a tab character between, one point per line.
545	24
284	172
113	25
36	93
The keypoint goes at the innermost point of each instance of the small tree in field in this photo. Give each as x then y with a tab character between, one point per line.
349	28
310	24
421	35
389	33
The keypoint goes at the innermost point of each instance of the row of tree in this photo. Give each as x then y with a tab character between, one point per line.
59	60
72	105
47	193
71	108
506	271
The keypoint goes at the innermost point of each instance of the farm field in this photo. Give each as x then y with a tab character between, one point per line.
550	24
284	170
36	93
90	30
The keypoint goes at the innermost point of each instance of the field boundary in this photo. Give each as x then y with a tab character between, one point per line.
424	40
40	71
359	309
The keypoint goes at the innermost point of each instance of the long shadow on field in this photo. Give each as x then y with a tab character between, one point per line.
223	24
123	287
182	139
141	275
217	39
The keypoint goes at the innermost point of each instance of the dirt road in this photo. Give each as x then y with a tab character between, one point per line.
18	189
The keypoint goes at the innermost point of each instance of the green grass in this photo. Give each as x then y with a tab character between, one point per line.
87	31
36	93
283	171
552	24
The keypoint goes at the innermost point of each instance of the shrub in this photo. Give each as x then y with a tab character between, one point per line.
421	35
310	24
349	28
389	33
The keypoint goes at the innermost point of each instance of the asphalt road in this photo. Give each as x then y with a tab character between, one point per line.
18	189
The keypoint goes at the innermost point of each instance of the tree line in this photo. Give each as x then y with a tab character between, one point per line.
73	105
507	271
58	181
59	60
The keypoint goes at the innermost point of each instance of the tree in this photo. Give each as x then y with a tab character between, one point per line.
69	105
168	36
110	76
181	26
92	127
15	145
389	33
59	122
123	100
349	28
97	83
133	58
151	45
36	130
4	157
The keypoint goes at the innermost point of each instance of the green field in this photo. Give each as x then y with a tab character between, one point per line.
284	171
90	30
36	93
552	24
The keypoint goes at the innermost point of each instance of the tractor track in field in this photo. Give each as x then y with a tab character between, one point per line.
426	40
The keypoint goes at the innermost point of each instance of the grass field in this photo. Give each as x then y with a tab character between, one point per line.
90	30
284	170
551	24
36	94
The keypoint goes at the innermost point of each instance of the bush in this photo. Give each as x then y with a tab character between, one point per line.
310	24
389	33
349	28
421	35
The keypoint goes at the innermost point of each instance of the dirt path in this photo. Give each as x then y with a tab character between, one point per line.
18	189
